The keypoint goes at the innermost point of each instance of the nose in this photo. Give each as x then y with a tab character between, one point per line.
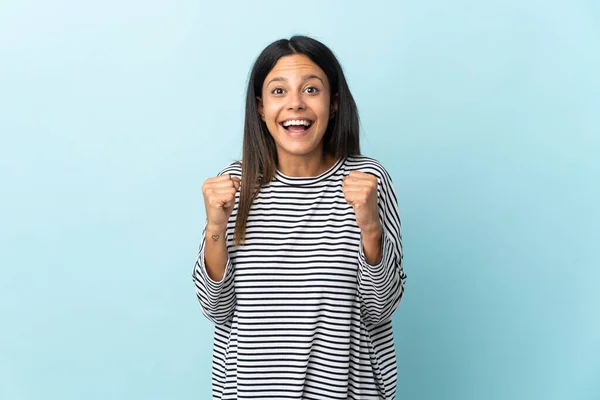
295	101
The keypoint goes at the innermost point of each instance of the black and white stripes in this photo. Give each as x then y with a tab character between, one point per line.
300	314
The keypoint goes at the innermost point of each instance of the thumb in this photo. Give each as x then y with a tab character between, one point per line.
236	182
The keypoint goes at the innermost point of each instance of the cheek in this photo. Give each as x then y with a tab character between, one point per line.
322	113
270	119
271	111
322	109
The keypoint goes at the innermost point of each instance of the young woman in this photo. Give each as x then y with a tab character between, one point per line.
300	267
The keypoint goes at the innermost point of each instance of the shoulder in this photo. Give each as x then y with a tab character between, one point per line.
234	169
368	165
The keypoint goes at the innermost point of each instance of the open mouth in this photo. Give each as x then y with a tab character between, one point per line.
297	126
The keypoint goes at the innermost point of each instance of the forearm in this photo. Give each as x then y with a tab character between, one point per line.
371	242
215	252
213	277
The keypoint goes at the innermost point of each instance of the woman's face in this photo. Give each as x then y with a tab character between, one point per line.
296	106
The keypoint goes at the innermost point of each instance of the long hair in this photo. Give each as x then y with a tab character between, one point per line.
259	158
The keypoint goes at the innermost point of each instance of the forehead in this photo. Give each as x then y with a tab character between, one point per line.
296	64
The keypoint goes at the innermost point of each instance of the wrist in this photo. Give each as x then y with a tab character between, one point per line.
215	229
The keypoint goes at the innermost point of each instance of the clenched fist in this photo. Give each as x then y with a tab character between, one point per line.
219	199
360	191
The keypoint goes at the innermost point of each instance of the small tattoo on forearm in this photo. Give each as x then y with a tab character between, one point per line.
215	237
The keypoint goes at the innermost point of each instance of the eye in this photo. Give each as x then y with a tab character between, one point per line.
277	91
312	90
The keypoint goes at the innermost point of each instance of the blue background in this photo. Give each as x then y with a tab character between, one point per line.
113	113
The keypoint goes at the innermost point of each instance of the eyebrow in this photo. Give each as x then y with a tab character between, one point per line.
304	78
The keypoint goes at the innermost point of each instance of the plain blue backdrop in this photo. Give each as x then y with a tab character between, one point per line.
485	113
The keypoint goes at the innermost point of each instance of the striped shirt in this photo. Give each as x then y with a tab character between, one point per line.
300	313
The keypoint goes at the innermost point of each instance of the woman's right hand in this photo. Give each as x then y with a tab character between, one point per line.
219	199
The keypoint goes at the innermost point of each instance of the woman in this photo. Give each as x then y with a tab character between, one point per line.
300	266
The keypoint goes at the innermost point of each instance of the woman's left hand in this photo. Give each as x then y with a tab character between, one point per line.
360	191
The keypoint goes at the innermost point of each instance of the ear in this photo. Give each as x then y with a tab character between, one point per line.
261	108
334	106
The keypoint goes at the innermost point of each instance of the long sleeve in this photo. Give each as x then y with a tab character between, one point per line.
217	299
381	286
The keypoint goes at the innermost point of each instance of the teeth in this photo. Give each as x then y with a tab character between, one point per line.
296	122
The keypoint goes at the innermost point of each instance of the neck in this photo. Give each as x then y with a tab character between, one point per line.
305	166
